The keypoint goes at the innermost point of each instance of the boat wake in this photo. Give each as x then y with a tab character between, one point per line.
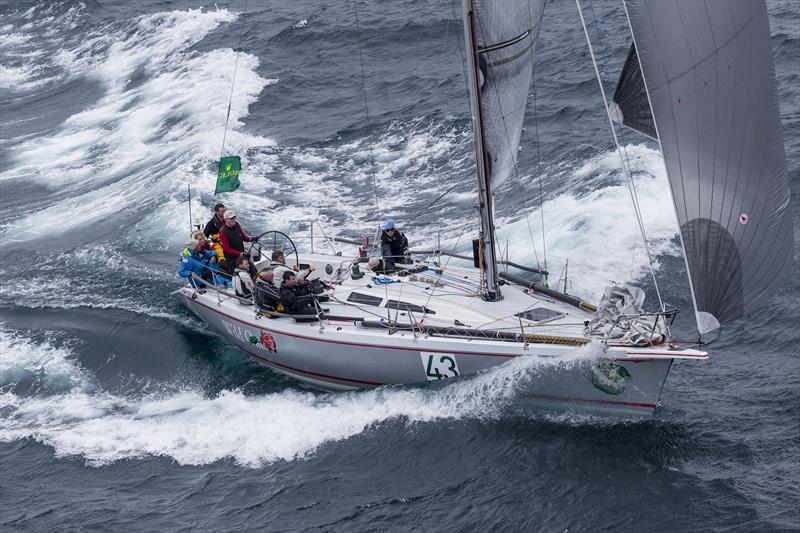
70	414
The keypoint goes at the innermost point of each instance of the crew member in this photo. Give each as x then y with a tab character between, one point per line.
267	297
292	298
242	281
196	263
278	265
377	265
394	246
217	221
232	238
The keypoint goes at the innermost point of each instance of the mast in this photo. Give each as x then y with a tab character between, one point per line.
486	238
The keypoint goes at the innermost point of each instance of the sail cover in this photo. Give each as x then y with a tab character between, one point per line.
708	69
633	108
505	34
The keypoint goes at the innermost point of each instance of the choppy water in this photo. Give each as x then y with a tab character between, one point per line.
119	411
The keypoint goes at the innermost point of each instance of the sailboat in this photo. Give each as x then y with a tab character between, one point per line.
699	80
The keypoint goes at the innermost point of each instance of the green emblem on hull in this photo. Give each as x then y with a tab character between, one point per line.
610	377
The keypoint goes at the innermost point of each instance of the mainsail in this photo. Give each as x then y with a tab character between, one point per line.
505	35
500	38
709	73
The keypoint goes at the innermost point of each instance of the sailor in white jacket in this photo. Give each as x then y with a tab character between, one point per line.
243	282
278	266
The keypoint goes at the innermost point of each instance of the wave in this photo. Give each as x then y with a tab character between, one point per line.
157	125
596	231
30	50
195	429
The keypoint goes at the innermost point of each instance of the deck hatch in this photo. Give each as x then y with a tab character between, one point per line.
405	306
364	299
539	314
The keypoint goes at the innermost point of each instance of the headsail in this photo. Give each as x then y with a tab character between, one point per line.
506	33
710	77
632	107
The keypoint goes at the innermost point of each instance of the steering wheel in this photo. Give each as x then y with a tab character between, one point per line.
271	241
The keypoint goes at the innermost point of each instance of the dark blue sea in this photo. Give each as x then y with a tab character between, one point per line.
121	411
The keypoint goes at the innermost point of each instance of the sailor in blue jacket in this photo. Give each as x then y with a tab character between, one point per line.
200	264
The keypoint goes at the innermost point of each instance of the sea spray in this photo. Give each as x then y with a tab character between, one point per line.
192	428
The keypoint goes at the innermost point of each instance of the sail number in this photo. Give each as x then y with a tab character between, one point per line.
439	365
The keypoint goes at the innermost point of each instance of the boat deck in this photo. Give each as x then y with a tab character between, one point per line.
443	297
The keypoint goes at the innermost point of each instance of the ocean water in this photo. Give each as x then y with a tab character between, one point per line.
120	411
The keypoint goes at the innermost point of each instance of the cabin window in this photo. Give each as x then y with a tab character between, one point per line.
539	314
364	299
405	306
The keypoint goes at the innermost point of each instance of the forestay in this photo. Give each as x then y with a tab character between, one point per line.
709	73
505	36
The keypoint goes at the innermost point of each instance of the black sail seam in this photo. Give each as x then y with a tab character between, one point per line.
511	58
710	55
504	44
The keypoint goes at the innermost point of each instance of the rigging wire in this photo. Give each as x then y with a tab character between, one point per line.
455	246
366	112
538	148
428	138
621	152
233	83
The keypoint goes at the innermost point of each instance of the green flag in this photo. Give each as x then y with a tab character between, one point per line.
228	175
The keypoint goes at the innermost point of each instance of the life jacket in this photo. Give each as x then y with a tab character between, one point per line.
217	247
243	283
267	297
235	239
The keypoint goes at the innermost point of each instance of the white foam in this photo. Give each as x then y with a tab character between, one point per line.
597	231
21	356
253	430
26	48
139	145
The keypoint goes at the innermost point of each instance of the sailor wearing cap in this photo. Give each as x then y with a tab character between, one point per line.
232	237
394	246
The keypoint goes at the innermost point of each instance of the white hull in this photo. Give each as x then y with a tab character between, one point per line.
342	355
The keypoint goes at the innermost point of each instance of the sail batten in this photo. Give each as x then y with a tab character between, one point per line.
708	71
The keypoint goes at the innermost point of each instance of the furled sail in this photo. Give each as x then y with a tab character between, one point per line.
632	107
505	34
708	69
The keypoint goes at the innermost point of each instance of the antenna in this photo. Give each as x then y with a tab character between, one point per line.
189	186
